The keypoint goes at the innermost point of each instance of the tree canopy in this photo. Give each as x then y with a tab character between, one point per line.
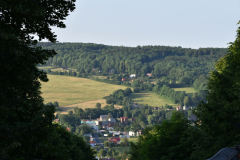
26	123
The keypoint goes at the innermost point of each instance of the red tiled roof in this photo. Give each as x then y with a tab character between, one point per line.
115	138
68	129
92	142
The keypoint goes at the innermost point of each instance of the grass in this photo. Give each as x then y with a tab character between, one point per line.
150	98
188	90
134	140
73	92
121	149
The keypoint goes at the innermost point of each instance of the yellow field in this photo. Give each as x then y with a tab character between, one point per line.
188	90
150	98
72	90
54	69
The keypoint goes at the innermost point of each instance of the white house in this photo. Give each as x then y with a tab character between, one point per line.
185	108
131	133
132	75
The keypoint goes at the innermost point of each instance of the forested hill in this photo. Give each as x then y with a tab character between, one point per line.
162	61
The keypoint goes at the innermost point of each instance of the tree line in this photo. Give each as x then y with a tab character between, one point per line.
168	63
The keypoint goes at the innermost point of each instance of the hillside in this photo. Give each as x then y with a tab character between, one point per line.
173	64
72	90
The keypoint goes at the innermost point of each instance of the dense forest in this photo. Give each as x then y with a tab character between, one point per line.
168	63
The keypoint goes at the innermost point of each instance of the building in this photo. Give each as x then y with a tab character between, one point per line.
132	75
56	120
110	70
148	74
131	133
124	120
64	68
68	129
103	118
111	120
185	108
90	123
115	140
178	108
123	79
155	108
93	143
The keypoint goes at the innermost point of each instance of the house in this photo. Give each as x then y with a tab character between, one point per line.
93	69
93	143
90	123
139	132
132	75
111	120
115	140
56	120
149	74
178	108
68	129
64	68
103	117
185	108
124	120
110	70
123	79
131	133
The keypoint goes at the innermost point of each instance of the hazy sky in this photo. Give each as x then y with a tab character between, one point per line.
186	23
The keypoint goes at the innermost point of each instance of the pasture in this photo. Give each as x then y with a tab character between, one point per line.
150	98
188	90
73	92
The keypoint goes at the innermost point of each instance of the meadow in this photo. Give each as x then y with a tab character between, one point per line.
72	92
150	98
188	90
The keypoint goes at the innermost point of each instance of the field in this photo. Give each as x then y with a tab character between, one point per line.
121	149
53	69
72	91
188	90
150	98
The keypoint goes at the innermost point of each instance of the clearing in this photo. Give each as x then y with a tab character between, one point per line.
188	90
150	98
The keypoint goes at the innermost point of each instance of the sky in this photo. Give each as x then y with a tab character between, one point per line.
186	23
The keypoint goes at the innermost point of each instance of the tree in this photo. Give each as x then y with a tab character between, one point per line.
56	104
125	142
164	141
219	115
187	101
98	105
25	120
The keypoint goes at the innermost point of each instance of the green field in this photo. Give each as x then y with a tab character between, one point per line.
150	98
73	90
121	149
134	140
188	90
